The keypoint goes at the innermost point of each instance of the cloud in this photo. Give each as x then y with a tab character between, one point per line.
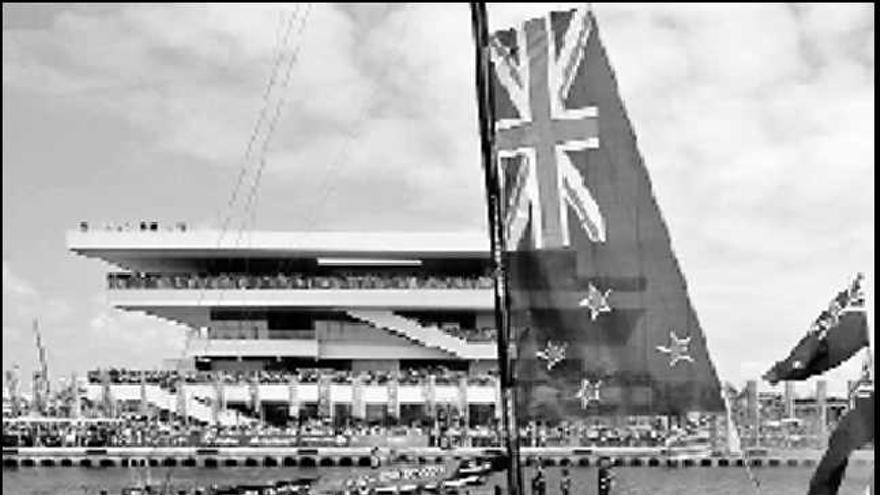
14	286
78	337
137	338
20	305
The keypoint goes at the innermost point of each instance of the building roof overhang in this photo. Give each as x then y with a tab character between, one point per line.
127	248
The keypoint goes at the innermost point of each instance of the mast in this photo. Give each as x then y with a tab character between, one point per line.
43	386
486	111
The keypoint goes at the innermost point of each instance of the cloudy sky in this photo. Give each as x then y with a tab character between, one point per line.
756	123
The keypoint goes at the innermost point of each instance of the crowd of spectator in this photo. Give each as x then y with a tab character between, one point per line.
486	334
136	424
131	423
171	378
172	430
143	226
293	281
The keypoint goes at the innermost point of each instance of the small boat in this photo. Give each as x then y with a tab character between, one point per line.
472	480
689	447
284	487
475	467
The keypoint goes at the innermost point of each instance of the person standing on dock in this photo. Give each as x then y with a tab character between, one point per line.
565	483
375	459
606	476
539	482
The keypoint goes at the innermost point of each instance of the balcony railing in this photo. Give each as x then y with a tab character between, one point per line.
121	281
169	378
257	334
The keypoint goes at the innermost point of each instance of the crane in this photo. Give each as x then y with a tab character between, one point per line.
41	387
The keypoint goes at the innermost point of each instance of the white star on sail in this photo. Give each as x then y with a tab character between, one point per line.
589	392
677	350
596	302
552	353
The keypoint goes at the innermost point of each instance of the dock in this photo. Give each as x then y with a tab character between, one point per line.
46	457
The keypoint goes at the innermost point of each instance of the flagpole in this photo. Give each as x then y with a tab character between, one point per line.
485	105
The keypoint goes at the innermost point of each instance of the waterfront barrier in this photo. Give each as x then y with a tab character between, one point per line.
51	457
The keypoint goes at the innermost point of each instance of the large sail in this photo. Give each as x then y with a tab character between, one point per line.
600	311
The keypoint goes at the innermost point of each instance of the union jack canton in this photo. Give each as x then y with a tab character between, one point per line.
540	122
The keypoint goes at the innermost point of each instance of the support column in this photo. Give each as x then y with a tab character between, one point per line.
76	406
430	392
145	404
182	401
293	399
753	411
325	408
256	401
215	403
464	410
107	394
358	408
394	399
788	397
821	405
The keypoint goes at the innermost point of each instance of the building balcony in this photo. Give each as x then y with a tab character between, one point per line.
295	281
434	299
308	392
253	348
155	247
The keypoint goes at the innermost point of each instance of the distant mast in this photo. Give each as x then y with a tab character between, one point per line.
41	386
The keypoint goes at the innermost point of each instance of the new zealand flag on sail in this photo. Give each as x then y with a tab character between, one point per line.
600	311
838	333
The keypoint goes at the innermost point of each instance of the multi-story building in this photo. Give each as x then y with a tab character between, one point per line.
773	419
279	301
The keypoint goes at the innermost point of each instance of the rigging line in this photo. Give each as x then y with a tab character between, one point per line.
276	65
248	223
743	451
327	184
278	59
277	114
294	57
282	40
747	463
279	105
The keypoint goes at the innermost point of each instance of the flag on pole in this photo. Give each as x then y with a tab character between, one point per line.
854	430
600	311
838	333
